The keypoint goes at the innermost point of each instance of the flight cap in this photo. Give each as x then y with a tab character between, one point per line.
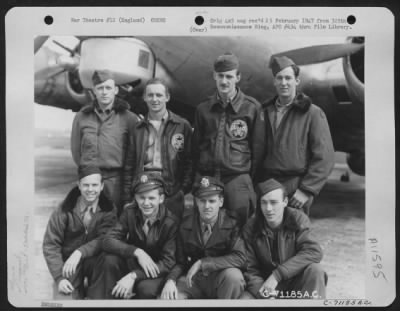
268	186
278	63
226	62
99	76
84	171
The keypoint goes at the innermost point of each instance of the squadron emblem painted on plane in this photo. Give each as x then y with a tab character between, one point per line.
239	129
178	142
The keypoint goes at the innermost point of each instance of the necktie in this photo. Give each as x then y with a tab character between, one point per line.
87	217
206	233
146	226
276	119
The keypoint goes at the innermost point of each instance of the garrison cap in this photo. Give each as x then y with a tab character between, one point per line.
99	76
147	181
205	186
84	171
226	62
268	186
278	63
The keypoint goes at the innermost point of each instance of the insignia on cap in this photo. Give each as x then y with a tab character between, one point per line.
262	115
205	182
144	179
239	128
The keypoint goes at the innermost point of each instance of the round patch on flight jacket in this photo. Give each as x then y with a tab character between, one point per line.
178	142
239	129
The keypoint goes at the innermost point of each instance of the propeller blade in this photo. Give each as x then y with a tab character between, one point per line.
70	51
49	72
321	53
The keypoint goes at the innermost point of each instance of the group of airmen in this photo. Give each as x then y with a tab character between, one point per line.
126	231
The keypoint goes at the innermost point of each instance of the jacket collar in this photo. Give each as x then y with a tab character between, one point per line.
172	117
301	102
288	223
119	106
193	224
194	218
104	204
236	103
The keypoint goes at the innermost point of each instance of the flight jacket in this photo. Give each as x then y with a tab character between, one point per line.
301	146
224	249
177	170
296	248
231	140
102	142
66	232
128	235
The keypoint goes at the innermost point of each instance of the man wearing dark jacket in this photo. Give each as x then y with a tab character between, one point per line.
300	151
161	143
209	249
229	137
283	258
73	236
100	134
140	249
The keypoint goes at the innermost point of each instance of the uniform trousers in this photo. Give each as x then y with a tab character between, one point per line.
311	282
240	196
223	284
176	203
112	187
112	268
85	268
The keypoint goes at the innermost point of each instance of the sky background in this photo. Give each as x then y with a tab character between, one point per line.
51	118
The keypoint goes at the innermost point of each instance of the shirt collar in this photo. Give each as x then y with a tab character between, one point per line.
108	108
230	99
279	106
163	118
204	224
234	101
81	207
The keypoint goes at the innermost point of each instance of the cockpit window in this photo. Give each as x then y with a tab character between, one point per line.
144	58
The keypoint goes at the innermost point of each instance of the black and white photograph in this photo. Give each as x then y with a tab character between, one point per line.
229	168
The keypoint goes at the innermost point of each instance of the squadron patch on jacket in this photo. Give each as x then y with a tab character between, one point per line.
239	129
178	142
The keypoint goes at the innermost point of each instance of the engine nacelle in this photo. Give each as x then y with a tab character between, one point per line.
129	59
54	84
353	67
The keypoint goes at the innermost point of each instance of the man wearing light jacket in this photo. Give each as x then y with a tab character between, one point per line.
100	134
300	151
